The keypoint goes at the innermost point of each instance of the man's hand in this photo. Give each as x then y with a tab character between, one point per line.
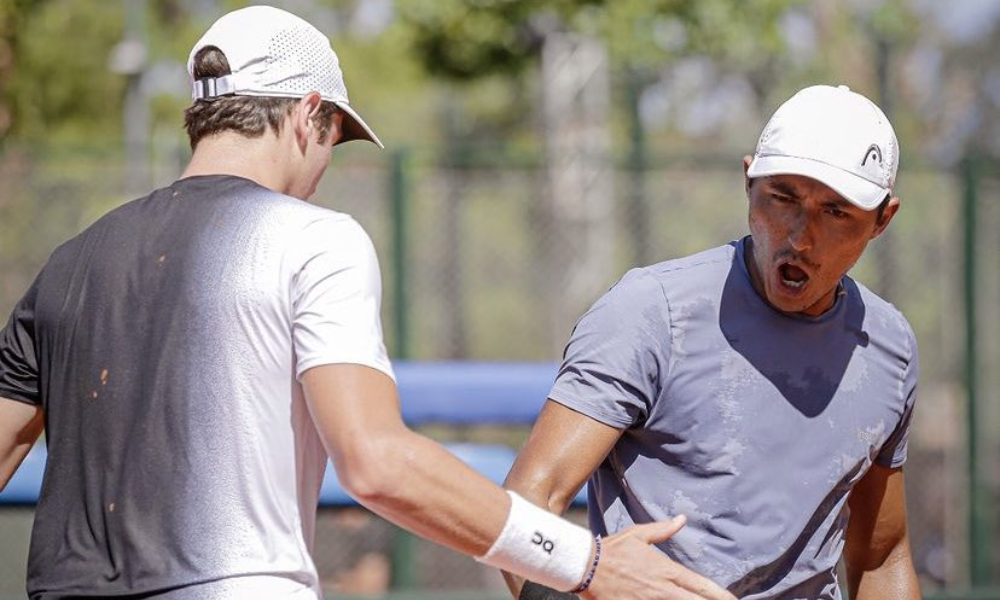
631	569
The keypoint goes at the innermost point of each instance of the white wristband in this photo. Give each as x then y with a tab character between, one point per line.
541	547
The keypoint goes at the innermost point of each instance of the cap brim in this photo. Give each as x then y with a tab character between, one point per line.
855	189
355	127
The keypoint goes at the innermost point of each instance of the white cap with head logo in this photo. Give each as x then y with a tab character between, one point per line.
835	136
273	53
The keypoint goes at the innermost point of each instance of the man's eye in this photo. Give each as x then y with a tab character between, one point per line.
782	199
836	212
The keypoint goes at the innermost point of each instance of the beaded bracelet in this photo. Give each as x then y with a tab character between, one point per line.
593	568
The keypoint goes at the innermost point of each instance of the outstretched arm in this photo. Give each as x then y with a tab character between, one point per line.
399	474
20	426
877	553
416	483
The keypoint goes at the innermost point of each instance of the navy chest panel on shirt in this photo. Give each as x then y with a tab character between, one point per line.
751	390
738	418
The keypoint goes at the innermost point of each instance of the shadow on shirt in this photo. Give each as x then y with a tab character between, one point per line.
806	365
765	577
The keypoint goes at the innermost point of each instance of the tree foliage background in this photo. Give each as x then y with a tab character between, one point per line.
418	64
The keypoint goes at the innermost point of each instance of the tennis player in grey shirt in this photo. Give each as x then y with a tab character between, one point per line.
754	387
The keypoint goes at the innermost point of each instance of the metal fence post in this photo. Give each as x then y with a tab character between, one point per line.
404	543
980	529
129	58
885	251
399	189
638	217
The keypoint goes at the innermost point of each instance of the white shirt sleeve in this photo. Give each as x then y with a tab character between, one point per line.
337	297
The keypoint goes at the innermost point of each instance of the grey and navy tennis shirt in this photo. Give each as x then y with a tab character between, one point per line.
753	423
165	344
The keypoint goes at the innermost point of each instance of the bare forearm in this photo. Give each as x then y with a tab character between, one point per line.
541	492
563	450
896	579
417	484
399	474
20	426
877	550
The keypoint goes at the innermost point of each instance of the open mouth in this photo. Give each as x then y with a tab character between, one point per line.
792	276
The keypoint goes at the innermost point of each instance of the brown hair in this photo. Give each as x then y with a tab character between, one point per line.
249	116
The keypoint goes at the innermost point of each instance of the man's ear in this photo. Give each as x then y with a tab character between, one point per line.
303	121
887	214
746	178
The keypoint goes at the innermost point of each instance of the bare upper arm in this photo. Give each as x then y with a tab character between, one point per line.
877	530
350	405
20	426
565	447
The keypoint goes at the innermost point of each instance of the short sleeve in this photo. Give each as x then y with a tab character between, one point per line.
893	452
337	297
18	360
618	355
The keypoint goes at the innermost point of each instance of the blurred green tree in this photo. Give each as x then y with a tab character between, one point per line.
57	83
13	13
469	39
488	51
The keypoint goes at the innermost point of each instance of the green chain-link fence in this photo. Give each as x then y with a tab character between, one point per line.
482	262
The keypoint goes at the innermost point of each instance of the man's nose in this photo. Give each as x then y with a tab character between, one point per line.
801	235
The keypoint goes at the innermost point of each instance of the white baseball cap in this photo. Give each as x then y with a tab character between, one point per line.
835	136
273	53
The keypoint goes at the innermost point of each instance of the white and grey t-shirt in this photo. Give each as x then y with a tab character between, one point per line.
165	344
753	423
